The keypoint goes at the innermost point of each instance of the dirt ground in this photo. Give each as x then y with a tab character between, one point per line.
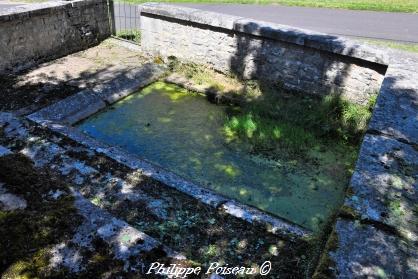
49	82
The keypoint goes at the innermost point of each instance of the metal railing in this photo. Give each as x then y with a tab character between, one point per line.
124	20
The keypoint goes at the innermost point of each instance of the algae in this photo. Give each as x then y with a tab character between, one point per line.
183	132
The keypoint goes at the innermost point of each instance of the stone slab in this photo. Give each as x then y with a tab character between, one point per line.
384	186
396	111
4	151
72	109
129	81
126	241
190	14
274	225
89	101
367	252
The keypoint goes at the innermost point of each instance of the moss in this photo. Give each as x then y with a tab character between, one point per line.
326	264
208	78
348	212
27	233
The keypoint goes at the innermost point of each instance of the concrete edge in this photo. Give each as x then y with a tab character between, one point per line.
321	41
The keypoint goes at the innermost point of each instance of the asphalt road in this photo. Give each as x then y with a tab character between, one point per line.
376	25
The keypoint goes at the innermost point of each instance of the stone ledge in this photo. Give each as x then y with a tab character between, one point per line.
384	186
206	196
321	41
71	109
90	101
4	151
376	254
396	111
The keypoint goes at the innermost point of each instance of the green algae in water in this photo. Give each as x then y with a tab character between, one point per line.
183	132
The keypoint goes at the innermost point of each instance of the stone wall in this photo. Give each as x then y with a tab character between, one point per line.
41	32
301	60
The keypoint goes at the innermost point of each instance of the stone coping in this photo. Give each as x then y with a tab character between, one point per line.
376	229
60	116
44	8
321	41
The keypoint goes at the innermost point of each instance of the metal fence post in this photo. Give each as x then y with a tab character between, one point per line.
112	19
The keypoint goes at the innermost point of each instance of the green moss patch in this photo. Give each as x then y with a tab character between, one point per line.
46	221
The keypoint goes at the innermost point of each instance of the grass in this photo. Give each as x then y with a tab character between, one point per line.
407	6
410	47
297	123
130	35
269	118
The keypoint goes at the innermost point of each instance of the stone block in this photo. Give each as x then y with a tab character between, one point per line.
71	109
396	111
364	251
384	186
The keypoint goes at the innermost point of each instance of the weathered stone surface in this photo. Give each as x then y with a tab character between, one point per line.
71	109
10	202
33	33
125	240
128	82
385	186
366	252
190	14
274	225
396	111
87	102
301	60
42	153
4	151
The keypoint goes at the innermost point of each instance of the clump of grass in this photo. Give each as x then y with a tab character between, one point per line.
296	122
204	76
130	35
410	47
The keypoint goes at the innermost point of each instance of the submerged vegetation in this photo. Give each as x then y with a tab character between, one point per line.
297	123
270	118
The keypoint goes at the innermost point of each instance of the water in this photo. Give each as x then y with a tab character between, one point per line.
182	132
